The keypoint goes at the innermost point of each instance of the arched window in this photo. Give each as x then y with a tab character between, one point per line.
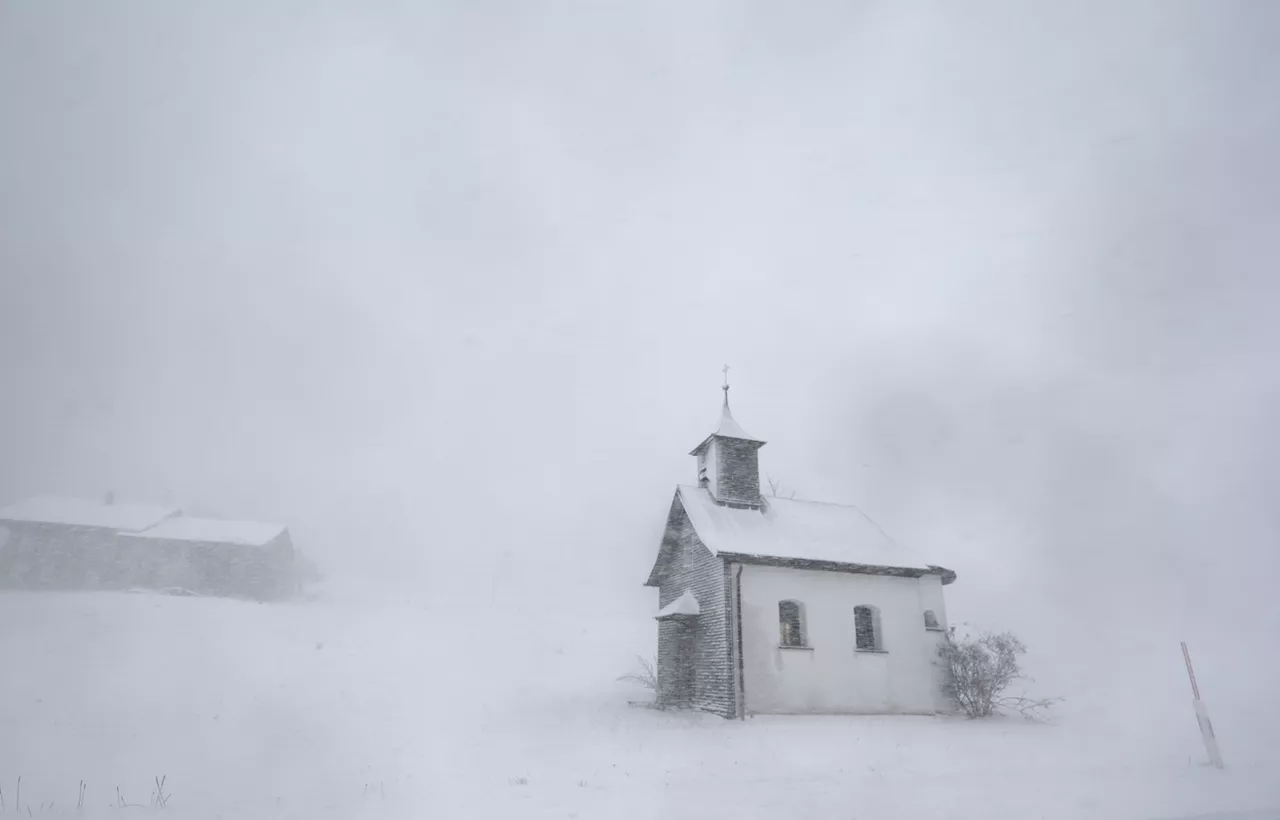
930	620
791	623
866	627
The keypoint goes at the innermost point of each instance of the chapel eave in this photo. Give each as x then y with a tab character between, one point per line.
707	441
948	575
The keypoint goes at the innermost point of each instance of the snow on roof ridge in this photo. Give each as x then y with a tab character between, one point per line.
214	531
772	498
686	604
810	531
82	512
862	512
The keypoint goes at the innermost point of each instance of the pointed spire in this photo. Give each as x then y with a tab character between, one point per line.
728	463
729	428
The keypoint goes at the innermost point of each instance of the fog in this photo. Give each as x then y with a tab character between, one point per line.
448	288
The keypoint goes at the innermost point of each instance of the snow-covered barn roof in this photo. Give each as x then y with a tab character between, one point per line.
213	531
792	529
686	604
81	512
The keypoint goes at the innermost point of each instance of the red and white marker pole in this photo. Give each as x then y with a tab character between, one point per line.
1202	713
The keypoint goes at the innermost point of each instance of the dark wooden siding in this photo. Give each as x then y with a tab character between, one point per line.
691	566
57	556
738	470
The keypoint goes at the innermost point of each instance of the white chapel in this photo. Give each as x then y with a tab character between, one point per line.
781	606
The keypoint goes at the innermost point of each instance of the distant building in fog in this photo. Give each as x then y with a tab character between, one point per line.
70	543
780	606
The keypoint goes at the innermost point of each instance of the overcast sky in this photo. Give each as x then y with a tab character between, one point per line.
448	287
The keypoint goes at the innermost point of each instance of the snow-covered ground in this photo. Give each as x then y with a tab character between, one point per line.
403	709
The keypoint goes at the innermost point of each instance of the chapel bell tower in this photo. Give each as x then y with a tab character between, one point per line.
729	461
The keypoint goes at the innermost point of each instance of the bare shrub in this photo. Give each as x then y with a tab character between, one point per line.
646	674
159	799
776	488
981	668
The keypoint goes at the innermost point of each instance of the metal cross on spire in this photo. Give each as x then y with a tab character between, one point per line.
725	388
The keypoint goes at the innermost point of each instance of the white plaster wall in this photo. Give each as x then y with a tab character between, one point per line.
830	675
930	589
931	597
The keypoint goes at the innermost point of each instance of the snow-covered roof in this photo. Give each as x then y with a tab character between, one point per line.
214	531
728	428
792	529
686	604
81	512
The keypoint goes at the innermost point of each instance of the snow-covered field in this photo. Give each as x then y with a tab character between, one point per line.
401	709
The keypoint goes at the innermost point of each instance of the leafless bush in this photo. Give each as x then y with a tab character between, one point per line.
159	799
776	488
980	669
646	675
